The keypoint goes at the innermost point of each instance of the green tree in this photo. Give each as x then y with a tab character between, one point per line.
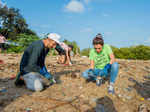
85	52
12	23
23	41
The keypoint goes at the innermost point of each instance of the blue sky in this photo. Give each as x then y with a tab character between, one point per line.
122	22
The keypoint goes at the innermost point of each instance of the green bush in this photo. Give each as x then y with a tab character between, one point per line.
85	52
23	41
134	52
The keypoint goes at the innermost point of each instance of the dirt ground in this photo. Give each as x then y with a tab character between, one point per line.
73	93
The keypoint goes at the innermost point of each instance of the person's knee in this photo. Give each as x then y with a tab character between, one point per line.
85	74
38	86
115	65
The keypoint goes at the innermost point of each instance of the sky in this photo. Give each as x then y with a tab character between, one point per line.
123	23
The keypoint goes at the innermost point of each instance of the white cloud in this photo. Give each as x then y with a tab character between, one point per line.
78	6
75	6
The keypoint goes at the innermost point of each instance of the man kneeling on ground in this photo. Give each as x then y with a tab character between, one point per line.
102	64
32	64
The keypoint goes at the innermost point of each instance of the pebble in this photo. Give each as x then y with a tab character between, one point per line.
80	87
128	97
28	109
123	99
82	96
142	108
128	89
148	99
94	99
119	95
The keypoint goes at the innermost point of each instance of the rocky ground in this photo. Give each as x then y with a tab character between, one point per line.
72	93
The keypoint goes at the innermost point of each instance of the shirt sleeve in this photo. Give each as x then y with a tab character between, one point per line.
91	55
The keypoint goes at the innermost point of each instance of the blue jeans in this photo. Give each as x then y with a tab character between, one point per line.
45	73
111	72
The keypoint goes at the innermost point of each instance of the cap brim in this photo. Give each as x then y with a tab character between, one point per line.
56	41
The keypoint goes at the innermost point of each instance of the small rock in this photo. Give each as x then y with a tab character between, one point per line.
128	89
80	87
119	95
142	108
68	99
78	75
128	97
82	96
123	99
148	99
94	99
28	109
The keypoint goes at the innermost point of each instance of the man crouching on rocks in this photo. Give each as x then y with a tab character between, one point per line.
32	64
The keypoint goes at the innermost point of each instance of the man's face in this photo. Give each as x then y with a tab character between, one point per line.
98	48
52	44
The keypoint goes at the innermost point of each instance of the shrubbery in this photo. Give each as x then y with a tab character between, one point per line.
23	40
134	52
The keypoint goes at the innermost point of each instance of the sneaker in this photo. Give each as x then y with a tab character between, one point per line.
99	81
111	90
18	80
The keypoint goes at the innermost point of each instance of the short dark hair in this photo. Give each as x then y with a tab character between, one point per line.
98	40
71	46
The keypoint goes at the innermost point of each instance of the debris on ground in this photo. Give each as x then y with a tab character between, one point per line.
73	93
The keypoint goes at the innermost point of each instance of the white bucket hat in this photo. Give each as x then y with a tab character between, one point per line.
54	36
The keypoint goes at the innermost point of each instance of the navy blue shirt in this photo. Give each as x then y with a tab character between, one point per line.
33	58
